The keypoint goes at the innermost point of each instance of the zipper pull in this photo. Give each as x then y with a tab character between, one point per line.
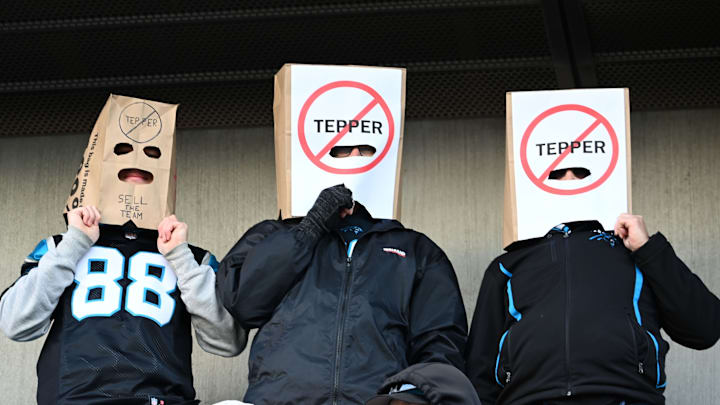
348	260
641	369
507	378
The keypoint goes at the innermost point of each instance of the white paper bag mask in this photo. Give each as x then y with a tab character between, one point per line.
561	129
321	113
128	168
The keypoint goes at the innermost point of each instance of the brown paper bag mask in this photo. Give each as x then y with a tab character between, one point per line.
128	169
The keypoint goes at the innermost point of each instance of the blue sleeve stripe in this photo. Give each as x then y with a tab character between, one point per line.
213	262
636	294
39	251
504	270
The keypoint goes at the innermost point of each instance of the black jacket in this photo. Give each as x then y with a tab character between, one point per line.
577	314
441	384
331	327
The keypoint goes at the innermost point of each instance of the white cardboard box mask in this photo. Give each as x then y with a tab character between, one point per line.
559	129
321	109
130	133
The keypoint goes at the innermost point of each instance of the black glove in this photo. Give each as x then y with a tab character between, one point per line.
325	214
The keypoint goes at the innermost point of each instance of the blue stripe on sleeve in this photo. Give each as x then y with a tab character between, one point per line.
39	251
213	262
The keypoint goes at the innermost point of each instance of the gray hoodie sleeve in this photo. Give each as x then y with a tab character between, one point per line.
215	329
26	307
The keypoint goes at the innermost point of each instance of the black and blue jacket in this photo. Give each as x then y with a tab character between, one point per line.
337	316
576	314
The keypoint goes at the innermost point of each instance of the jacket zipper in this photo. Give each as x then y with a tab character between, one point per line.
341	326
568	392
343	308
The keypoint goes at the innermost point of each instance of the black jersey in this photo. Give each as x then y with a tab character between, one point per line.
121	333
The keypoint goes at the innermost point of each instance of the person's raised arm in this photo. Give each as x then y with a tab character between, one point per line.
26	307
216	331
689	312
271	257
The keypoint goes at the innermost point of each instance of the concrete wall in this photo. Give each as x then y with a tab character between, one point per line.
452	190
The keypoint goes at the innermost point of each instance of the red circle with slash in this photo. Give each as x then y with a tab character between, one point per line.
599	120
377	100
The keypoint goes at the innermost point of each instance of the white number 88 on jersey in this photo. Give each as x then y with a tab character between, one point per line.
99	293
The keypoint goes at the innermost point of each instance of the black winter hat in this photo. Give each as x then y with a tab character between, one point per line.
440	384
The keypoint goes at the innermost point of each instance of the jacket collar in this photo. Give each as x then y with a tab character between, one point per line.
128	230
379	225
567	228
576	226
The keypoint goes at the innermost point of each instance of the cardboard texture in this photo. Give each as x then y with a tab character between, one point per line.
560	129
129	134
318	108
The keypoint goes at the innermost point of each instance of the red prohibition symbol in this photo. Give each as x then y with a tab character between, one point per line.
599	120
377	100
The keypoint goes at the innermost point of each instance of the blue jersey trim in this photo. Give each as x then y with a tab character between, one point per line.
213	263
102	293
145	295
39	251
147	271
497	360
511	304
636	294
105	270
105	265
160	294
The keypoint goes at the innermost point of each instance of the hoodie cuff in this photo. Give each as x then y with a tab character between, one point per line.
181	258
651	249
74	244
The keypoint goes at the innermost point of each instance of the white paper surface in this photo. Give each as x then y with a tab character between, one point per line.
549	118
373	187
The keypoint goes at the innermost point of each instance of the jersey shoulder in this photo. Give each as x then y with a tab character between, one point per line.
202	256
41	249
